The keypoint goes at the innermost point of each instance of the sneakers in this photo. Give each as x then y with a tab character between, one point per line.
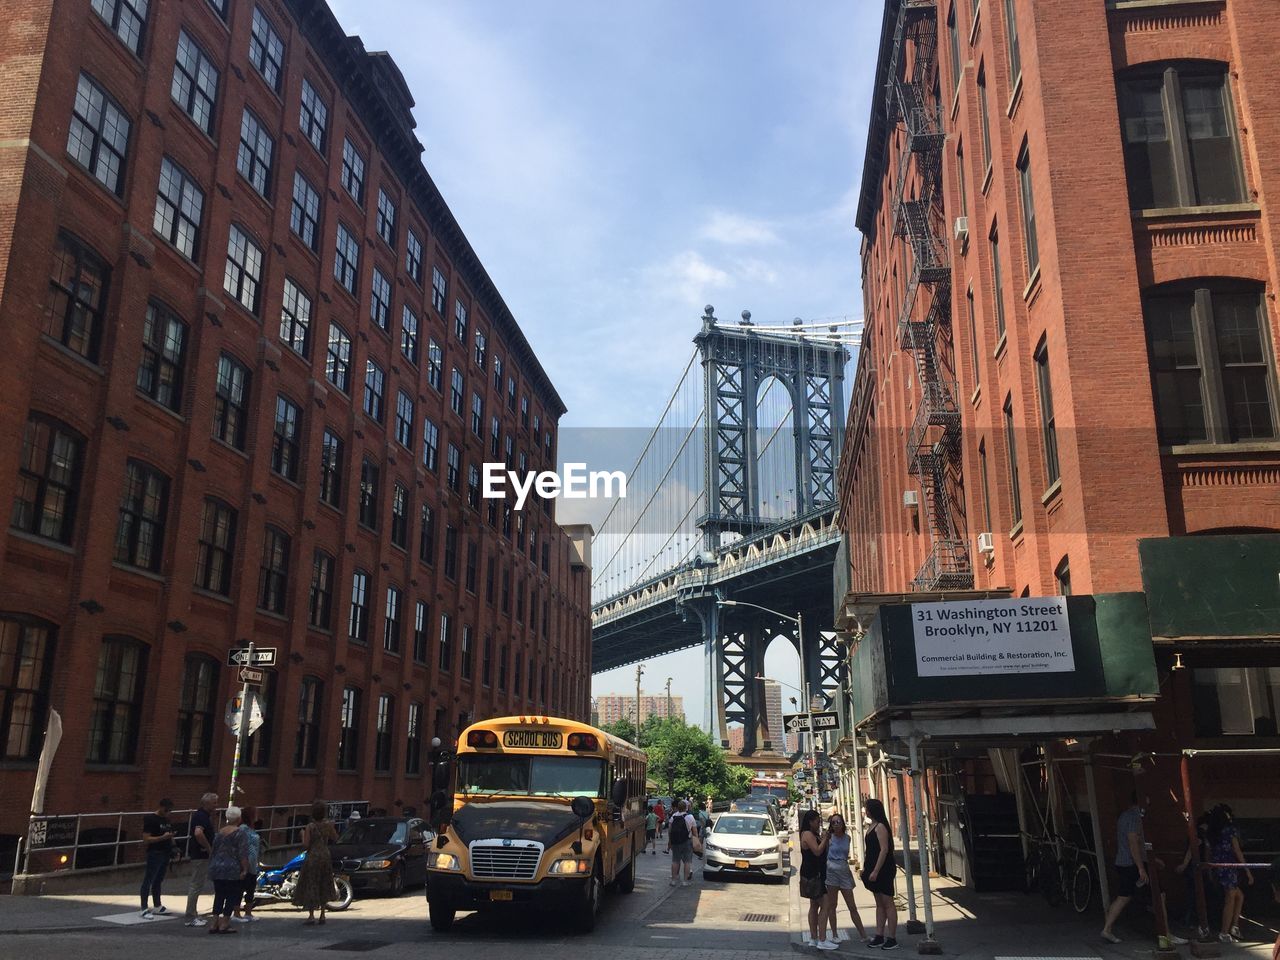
1178	941
1110	937
841	937
196	922
1235	933
146	913
875	941
826	945
674	881
243	919
806	939
686	883
890	944
160	911
1225	938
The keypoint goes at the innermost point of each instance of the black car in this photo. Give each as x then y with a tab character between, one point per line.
383	854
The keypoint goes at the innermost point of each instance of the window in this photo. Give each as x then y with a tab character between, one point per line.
295	318
451	552
313	119
953	35
502	666
352	175
511	393
320	599
284	440
216	547
306	747
253	159
1180	146
473	486
219	7
973	335
164	339
482	349
1048	428
231	401
997	278
1015	484
374	382
196	718
399	516
497	374
473	565
466	652
413	256
453	474
413	741
346	259
179	206
460	321
495	437
349	729
337	364
430	445
143	505
984	116
1211	368
446	642
195	83
489	581
439	290
427	535
386	224
380	300
117	698
368	512
477	415
524	411
1011	36
126	18
26	654
391	622
404	419
48	480
358	621
244	269
421	626
486	661
457	388
77	296
518	660
273	574
98	138
409	335
532	677
266	49
382	734
1062	577
331	469
435	364
1028	210
304	212
1235	701
986	487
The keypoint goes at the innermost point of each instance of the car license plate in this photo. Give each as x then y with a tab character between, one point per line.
741	864
499	894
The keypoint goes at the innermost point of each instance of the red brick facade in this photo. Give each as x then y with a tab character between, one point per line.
523	601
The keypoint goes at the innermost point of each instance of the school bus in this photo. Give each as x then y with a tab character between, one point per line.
544	811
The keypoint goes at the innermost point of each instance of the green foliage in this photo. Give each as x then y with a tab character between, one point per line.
623	728
685	761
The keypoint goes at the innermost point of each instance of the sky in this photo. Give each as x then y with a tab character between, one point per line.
617	165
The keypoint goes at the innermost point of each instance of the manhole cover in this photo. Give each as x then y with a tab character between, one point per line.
760	918
357	946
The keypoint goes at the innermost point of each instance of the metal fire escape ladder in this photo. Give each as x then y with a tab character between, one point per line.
933	444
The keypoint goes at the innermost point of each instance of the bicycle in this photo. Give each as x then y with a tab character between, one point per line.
1060	871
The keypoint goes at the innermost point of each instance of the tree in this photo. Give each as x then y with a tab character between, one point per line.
623	728
687	762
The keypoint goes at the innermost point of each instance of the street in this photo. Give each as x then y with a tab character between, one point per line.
657	922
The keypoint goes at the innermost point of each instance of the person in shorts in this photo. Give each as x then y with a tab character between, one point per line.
651	831
680	833
1131	865
840	878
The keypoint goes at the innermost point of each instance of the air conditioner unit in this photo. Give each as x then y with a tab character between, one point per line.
986	543
962	229
910	499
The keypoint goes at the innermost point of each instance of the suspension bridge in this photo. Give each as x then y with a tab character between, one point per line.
733	497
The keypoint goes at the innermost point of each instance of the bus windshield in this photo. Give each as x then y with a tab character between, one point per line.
531	776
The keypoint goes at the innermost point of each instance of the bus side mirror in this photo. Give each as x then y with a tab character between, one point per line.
582	807
439	802
439	775
619	793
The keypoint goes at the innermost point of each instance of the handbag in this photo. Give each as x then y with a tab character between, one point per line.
697	847
812	887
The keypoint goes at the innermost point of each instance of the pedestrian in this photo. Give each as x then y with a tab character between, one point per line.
878	873
253	842
661	812
1224	847
199	845
840	878
813	877
314	888
1131	864
680	844
651	831
228	866
157	836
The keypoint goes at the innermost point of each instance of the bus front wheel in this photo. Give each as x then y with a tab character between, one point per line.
441	915
589	908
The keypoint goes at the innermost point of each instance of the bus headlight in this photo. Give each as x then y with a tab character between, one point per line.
444	861
571	867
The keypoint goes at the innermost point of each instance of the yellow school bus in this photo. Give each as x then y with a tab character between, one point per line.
544	811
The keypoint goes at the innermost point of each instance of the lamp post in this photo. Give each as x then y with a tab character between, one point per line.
639	674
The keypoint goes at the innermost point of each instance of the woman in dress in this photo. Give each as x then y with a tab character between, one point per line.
877	876
813	875
314	889
228	866
840	878
1224	841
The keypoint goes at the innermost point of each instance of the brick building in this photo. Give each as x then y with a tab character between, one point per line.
1069	273
612	707
255	366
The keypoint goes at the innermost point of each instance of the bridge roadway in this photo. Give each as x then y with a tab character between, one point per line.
787	567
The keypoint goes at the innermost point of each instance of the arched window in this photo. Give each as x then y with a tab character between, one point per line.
26	651
196	720
48	479
117	699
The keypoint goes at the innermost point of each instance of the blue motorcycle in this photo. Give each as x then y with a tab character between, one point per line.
277	883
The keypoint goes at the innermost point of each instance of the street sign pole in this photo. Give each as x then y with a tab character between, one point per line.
804	692
242	733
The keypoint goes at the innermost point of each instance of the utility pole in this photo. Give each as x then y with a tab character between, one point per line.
808	707
242	733
639	674
668	698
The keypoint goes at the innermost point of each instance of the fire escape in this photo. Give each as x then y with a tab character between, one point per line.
933	444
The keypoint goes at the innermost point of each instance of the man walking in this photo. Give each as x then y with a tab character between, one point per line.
651	831
680	836
157	837
199	844
1131	865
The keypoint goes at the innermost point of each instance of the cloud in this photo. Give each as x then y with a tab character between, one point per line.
687	278
734	229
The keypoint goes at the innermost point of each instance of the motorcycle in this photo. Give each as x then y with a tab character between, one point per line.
278	883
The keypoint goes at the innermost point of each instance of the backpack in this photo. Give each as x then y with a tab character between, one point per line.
679	830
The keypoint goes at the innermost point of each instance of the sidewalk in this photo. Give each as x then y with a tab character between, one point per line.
999	926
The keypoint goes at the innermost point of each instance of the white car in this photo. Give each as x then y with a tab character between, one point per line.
743	843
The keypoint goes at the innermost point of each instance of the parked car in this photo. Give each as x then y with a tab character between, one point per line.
763	805
746	844
384	854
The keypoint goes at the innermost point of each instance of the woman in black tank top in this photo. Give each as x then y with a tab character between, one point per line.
877	875
813	875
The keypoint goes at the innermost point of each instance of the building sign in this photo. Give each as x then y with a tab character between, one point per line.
992	637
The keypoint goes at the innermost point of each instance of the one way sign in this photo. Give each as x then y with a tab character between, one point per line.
799	722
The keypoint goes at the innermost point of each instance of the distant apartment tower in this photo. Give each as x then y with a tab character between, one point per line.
773	715
612	707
